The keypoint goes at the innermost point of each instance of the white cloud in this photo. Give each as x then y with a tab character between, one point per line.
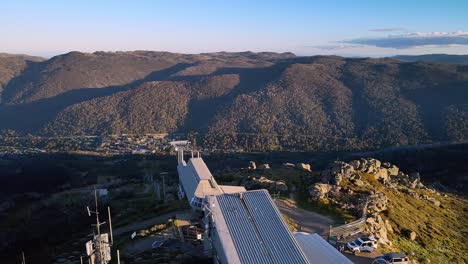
414	39
334	46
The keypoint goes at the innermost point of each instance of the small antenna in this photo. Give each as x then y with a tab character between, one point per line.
97	212
89	212
110	225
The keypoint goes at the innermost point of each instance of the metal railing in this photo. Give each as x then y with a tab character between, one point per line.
352	228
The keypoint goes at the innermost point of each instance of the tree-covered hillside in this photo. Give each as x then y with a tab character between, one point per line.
252	101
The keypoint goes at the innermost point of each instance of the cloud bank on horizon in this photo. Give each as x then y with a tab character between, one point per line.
416	39
401	41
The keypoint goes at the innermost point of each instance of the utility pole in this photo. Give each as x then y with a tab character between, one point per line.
157	190
163	174
118	256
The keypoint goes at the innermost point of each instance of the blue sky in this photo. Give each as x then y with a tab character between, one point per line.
346	27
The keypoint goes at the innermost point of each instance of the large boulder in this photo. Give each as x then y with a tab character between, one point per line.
265	183
369	165
303	166
336	172
252	165
356	164
392	169
377	226
410	234
319	190
381	174
378	202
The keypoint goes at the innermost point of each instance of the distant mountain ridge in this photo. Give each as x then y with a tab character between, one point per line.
11	65
241	100
443	58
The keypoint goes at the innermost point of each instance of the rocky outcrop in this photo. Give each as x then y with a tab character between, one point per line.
380	228
410	181
392	169
361	173
320	190
265	166
381	174
288	165
336	172
378	202
387	173
265	183
368	165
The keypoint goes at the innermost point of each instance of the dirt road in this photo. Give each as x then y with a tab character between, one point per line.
310	222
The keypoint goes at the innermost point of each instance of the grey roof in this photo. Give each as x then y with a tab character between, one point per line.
200	169
193	173
318	250
188	180
257	229
246	240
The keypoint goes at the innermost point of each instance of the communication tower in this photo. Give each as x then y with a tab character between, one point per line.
98	249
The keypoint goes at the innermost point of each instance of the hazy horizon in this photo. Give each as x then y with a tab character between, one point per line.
345	28
53	54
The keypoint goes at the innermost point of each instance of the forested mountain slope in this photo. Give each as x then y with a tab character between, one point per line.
242	100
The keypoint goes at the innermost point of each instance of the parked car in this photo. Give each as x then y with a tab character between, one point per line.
361	244
391	258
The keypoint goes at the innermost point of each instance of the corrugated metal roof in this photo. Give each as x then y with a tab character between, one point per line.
318	250
275	233
248	244
258	230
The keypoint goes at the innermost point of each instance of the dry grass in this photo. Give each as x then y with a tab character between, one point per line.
441	230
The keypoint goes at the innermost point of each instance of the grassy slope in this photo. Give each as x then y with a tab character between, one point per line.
441	230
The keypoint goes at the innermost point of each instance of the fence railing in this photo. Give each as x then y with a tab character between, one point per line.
349	229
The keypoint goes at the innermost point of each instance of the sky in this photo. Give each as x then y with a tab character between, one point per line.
348	27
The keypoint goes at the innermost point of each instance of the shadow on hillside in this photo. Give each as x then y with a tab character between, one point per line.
32	116
202	112
29	117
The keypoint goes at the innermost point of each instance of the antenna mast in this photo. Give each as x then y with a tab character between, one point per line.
98	249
